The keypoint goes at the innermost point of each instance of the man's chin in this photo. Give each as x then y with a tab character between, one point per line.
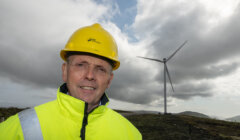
86	100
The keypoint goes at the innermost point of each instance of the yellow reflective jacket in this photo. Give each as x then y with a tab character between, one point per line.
66	118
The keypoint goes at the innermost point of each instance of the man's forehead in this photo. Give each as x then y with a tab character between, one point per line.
81	55
88	59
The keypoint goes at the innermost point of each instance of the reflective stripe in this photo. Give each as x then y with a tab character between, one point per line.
30	125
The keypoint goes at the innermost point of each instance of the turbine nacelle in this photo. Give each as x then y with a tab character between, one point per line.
164	59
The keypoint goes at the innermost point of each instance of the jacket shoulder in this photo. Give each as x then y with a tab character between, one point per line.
116	114
124	124
11	128
119	118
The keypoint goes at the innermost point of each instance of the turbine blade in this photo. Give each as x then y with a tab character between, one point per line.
177	50
151	59
169	77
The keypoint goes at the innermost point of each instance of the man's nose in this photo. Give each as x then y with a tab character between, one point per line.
90	74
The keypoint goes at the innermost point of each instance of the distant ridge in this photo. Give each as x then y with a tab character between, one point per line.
136	112
194	114
234	119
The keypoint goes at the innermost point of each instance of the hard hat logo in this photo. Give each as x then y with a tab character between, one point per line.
103	44
93	40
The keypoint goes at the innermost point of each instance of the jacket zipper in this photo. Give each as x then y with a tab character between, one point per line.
84	123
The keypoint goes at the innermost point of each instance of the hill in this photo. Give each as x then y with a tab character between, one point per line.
194	114
7	112
234	119
183	127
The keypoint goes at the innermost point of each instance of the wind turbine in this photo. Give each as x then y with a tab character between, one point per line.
165	71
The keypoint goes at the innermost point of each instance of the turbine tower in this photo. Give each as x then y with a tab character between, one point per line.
166	73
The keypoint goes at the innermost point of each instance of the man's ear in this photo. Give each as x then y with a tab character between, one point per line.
64	72
110	80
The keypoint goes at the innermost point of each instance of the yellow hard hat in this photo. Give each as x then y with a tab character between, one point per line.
94	40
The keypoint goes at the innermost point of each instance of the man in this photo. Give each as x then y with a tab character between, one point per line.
80	110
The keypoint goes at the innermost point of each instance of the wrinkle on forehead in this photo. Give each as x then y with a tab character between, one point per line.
68	54
91	60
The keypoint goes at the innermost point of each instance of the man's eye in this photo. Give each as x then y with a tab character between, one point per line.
102	69
80	65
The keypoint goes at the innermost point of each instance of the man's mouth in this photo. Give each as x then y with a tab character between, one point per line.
87	88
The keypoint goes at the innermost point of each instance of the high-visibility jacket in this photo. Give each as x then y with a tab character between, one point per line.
66	118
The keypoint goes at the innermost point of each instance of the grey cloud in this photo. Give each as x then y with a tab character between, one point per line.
187	96
30	41
190	89
201	58
132	84
180	73
41	68
198	60
31	38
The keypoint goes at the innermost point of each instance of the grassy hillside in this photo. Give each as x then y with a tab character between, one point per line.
173	127
181	127
7	112
194	114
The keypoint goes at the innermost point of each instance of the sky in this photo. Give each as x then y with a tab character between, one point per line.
205	73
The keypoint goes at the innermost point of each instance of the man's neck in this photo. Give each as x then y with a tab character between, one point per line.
91	107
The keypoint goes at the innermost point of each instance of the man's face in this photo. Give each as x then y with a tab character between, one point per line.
87	77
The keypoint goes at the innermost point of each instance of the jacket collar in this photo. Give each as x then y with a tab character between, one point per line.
74	108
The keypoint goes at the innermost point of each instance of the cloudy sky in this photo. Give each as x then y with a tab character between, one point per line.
205	72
